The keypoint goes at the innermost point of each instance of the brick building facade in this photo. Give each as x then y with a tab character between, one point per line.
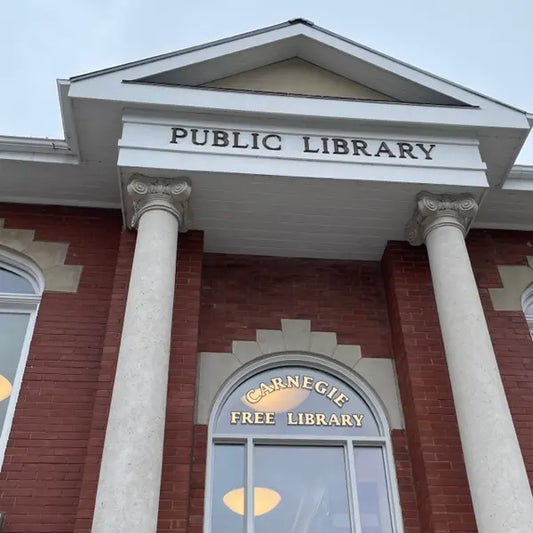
283	256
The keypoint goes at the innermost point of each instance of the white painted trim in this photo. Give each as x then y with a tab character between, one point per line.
55	200
23	266
227	102
520	178
19	304
527	297
37	150
527	300
295	36
270	125
67	116
355	515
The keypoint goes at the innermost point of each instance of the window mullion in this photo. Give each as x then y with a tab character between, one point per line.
355	517
390	474
249	499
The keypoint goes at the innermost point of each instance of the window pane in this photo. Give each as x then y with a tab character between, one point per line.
13	283
372	493
307	487
12	333
296	401
228	489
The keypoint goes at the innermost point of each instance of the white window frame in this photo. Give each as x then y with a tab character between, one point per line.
342	373
15	303
527	301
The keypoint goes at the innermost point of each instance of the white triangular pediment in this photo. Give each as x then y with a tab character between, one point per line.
273	59
298	77
303	66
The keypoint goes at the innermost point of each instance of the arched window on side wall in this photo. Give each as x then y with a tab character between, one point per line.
296	446
527	307
21	286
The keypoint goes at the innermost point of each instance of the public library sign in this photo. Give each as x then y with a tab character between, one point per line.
237	140
227	146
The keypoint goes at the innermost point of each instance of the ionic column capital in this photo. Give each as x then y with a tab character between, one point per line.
165	194
436	210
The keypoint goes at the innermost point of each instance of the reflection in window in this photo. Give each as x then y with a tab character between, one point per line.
12	332
298	450
311	481
228	488
296	401
372	490
18	304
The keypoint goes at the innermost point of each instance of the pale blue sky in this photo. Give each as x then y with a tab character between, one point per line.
486	45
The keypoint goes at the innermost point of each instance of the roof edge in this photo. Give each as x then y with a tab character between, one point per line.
521	172
194	48
520	178
37	149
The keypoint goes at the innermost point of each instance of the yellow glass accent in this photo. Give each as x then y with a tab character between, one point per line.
264	500
278	401
5	388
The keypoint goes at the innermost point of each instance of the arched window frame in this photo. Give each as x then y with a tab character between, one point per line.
527	303
319	363
18	303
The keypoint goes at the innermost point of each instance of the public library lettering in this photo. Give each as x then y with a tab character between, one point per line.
274	142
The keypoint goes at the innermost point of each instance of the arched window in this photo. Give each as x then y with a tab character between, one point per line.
21	286
297	447
527	307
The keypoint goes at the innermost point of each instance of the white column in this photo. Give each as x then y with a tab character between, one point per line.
127	499
496	473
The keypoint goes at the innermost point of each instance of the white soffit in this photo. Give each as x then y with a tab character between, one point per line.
305	217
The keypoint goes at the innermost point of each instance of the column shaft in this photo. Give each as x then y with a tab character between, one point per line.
497	477
130	476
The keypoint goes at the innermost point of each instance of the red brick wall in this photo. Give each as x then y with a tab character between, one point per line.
404	476
179	429
508	329
443	499
106	377
180	437
433	438
48	482
241	294
42	472
197	487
